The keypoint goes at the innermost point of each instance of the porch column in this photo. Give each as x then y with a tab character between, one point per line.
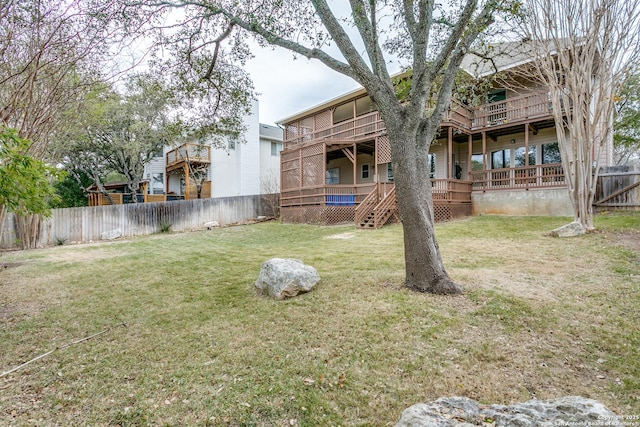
324	173
450	153
355	164
186	182
375	161
470	156
484	159
526	144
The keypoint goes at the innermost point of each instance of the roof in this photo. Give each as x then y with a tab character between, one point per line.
272	133
505	56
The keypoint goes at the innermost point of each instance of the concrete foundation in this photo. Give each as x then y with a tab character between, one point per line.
533	202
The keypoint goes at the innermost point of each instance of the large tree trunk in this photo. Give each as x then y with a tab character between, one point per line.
423	263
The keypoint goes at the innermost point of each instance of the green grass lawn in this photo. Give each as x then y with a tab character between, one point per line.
540	318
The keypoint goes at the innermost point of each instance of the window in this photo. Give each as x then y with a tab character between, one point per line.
364	106
501	159
432	165
476	162
520	158
343	112
276	148
231	144
497	95
551	153
389	172
332	176
365	171
157	184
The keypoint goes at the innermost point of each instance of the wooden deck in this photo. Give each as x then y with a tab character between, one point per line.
189	152
512	111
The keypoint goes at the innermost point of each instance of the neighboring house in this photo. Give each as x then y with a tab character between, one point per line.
499	158
235	169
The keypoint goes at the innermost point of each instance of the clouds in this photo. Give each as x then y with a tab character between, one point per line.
287	86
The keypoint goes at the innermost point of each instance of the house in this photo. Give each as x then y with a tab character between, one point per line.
501	157
208	169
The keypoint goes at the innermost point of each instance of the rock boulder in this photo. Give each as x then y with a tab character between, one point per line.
570	230
285	277
464	412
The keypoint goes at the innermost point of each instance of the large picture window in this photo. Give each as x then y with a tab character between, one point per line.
501	159
332	176
521	158
551	153
476	162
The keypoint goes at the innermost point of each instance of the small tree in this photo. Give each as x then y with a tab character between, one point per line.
583	50
270	190
25	184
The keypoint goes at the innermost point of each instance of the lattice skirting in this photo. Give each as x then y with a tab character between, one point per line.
328	215
448	211
323	215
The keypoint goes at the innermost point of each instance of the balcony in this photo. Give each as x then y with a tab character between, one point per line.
187	153
511	111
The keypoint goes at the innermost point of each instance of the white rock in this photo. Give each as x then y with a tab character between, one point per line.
463	412
111	235
285	277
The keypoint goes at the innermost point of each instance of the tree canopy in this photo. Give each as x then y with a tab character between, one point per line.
627	122
25	182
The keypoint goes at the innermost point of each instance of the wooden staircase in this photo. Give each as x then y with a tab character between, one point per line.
377	208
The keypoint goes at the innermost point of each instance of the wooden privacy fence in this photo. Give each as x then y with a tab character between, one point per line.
618	187
87	224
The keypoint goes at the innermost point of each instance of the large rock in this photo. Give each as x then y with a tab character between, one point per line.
286	277
570	230
464	412
111	235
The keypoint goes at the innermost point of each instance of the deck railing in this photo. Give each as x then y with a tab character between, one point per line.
189	152
509	111
446	190
536	176
451	190
334	195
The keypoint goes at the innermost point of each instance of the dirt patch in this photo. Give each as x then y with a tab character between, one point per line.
628	239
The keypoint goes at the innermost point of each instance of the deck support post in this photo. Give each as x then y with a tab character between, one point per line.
186	182
470	156
450	153
484	160
526	155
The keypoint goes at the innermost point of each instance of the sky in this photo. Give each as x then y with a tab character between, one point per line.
287	86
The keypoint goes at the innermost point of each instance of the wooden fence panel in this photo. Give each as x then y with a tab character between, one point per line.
87	224
618	187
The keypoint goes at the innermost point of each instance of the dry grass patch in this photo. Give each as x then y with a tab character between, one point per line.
540	318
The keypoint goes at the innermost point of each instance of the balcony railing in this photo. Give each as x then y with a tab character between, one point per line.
509	111
536	176
443	190
512	110
197	153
